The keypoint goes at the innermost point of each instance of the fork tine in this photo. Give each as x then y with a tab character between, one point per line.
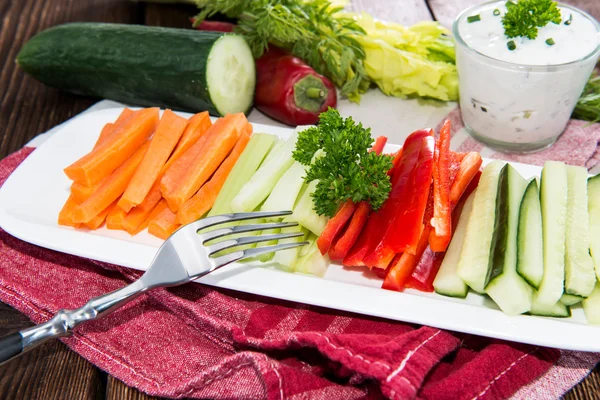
220	219
218	233
256	251
227	244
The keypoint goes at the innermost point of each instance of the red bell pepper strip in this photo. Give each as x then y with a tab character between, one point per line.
426	270
344	243
215	26
442	222
338	222
379	144
403	265
335	226
404	209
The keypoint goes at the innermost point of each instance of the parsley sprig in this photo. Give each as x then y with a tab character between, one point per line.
347	170
313	30
526	16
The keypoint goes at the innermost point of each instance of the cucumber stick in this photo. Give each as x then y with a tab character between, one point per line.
183	69
591	306
594	215
570	300
553	199
262	182
506	287
312	261
474	266
530	243
447	281
257	148
286	259
580	277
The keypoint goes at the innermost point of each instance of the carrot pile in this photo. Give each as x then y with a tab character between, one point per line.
151	171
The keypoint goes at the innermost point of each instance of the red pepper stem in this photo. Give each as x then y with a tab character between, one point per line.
315	93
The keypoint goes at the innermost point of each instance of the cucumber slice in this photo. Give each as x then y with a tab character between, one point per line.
253	155
553	200
256	190
557	310
570	300
580	277
591	306
506	287
594	214
530	243
447	281
474	266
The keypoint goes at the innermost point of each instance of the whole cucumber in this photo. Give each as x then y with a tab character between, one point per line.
182	69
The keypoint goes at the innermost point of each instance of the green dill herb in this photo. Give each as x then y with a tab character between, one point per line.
473	18
525	17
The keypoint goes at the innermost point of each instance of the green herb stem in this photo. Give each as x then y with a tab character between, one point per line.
511	45
473	18
550	42
496	12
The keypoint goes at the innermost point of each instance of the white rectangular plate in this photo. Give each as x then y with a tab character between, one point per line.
32	197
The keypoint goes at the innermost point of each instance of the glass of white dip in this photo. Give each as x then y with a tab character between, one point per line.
520	100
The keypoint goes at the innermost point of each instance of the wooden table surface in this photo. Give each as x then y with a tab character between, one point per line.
28	108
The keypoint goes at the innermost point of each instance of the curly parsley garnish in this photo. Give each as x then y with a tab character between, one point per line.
347	170
525	17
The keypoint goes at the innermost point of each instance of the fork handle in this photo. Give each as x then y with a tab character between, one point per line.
63	323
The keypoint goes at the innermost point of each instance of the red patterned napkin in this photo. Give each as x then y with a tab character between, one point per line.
199	342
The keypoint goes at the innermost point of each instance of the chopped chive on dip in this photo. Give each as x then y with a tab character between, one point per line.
550	42
569	20
496	12
473	18
511	45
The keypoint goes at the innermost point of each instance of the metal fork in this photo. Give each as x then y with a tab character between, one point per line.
186	255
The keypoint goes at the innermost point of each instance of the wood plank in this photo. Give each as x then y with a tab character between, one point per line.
405	12
27	107
51	371
117	390
171	15
446	11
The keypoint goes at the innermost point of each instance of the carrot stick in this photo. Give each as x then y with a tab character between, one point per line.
155	211
110	189
169	130
379	144
109	128
99	219
115	217
121	145
65	216
164	224
135	218
204	199
83	192
197	127
201	160
468	169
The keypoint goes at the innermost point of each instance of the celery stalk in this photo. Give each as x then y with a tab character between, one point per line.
305	214
257	148
287	258
285	192
264	180
312	262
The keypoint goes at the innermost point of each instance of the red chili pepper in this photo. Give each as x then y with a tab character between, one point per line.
289	90
404	209
442	222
